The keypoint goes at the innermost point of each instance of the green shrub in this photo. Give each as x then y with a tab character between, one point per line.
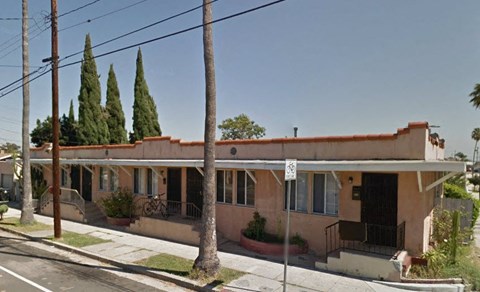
298	240
3	210
256	228
119	204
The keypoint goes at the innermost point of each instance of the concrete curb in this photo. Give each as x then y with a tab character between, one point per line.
424	287
177	280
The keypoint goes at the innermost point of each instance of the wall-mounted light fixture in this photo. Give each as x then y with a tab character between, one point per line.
350	180
164	179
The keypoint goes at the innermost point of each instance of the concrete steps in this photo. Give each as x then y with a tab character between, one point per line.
93	214
363	264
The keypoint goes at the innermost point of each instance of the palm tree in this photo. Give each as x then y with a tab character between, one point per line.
476	96
476	137
26	216
207	261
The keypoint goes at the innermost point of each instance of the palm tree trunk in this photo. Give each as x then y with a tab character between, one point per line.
474	151
207	260
27	210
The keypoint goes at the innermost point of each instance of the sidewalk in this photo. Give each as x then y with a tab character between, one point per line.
125	249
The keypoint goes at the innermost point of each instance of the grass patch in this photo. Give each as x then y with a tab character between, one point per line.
79	240
14	224
183	267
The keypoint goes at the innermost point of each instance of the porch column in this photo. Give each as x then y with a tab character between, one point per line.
184	191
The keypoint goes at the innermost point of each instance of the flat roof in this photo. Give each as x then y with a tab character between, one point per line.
302	165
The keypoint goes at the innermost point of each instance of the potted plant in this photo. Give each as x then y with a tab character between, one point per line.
255	238
118	207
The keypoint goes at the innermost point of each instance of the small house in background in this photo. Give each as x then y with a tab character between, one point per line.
359	201
7	178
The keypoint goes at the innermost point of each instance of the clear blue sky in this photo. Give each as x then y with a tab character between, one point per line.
328	67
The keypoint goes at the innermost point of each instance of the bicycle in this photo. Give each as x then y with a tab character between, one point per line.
4	194
156	205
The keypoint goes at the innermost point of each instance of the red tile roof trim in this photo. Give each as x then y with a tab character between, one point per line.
352	138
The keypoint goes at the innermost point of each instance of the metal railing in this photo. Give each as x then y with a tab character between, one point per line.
172	208
67	196
379	239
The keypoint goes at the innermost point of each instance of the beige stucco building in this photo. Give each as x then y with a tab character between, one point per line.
352	192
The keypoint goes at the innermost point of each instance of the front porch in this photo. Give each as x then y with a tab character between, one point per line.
366	250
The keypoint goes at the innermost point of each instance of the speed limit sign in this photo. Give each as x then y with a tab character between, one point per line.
290	169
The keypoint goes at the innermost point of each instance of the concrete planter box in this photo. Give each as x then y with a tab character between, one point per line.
118	221
270	248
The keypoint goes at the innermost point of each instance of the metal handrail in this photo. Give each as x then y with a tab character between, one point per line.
67	196
185	209
383	237
332	238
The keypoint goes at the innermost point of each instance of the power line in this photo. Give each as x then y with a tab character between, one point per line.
141	43
20	79
25	83
12	18
17	39
16	66
139	29
19	46
5	120
36	28
78	8
9	131
101	16
176	33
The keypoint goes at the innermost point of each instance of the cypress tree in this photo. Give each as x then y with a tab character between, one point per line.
116	117
93	128
68	128
145	116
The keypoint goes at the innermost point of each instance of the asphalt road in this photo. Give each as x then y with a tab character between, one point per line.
31	266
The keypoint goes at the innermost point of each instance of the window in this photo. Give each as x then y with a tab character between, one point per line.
298	193
113	180
325	194
138	181
152	182
103	179
245	189
64	178
224	186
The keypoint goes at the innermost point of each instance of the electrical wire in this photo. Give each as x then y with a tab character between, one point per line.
175	33
25	83
138	44
5	120
16	66
102	16
9	131
20	79
140	29
37	27
19	46
17	38
78	8
12	18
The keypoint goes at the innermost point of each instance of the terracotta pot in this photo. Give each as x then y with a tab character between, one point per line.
118	221
270	248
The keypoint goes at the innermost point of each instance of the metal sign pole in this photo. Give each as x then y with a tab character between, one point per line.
287	231
290	174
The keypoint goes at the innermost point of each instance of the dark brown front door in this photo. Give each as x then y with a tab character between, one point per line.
379	207
174	184
86	184
194	190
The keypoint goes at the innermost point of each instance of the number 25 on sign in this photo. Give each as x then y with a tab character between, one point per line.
290	169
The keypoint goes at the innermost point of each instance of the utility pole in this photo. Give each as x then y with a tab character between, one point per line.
57	229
